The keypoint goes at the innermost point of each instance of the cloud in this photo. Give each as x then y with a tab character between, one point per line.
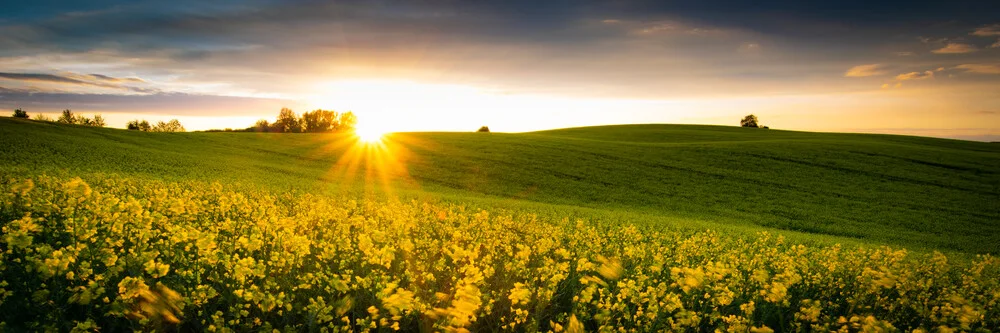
905	54
115	79
39	77
749	47
981	68
104	81
987	30
656	28
582	48
157	103
664	27
915	76
956	48
995	45
865	70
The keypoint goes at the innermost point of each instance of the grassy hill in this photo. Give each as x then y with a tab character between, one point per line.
883	189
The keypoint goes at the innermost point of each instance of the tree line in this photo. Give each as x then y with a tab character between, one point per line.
67	117
316	121
142	125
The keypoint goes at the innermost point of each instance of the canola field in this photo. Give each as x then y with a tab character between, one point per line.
115	253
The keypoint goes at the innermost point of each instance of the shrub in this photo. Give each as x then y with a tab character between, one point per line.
20	114
484	129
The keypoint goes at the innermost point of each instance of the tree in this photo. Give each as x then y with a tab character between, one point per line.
261	126
67	117
169	127
175	126
136	125
287	122
484	129
749	121
18	113
347	122
319	121
328	120
98	121
42	117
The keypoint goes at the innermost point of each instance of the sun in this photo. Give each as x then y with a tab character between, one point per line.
369	134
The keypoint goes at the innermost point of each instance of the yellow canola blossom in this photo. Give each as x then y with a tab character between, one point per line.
108	253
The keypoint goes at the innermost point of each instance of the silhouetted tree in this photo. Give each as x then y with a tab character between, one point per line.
137	125
347	122
18	113
484	129
67	117
749	121
287	122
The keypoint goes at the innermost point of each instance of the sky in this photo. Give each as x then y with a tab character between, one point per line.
903	67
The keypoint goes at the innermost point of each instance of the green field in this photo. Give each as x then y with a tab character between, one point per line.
614	229
921	193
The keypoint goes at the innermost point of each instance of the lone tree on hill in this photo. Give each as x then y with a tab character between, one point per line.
484	129
20	114
749	121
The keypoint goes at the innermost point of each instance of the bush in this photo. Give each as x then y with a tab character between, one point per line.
20	114
484	129
749	121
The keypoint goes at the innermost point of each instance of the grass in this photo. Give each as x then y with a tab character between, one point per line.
921	193
588	229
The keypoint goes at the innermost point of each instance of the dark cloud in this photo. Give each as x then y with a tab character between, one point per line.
204	26
581	47
104	81
157	103
115	79
40	77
